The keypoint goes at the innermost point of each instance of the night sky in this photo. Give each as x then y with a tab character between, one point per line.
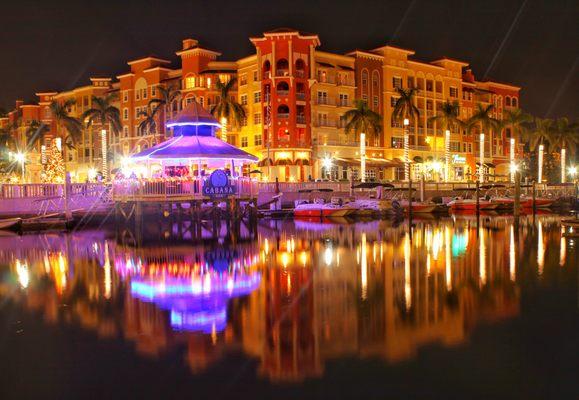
57	45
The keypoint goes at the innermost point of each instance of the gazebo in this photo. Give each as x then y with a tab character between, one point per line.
193	151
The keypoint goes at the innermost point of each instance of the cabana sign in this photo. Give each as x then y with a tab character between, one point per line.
218	186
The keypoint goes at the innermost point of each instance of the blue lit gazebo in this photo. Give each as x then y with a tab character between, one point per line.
194	149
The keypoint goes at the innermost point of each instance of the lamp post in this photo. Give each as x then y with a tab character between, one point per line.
363	157
104	151
447	156
21	157
563	171
540	172
481	169
406	150
512	156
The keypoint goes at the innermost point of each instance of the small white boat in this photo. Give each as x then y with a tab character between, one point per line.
322	210
11	223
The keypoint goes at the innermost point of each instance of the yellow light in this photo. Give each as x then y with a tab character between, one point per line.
327	162
283	155
20	157
573	170
92	173
406	122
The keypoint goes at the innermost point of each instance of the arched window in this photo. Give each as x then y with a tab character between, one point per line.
282	88
282	66
514	102
266	68
365	81
283	111
507	101
300	68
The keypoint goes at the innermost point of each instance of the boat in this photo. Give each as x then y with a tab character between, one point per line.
368	207
318	209
470	205
540	202
420	206
11	224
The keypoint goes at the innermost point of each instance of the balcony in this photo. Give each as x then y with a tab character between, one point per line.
345	82
301	96
282	92
300	73
283	115
282	72
344	103
325	123
323	101
326	79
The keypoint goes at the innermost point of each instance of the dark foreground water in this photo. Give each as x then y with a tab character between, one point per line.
298	310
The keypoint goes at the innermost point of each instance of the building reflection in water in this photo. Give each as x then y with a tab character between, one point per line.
301	295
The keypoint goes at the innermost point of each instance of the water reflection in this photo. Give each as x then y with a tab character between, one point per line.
301	294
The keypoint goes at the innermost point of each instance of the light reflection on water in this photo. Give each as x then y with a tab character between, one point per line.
301	294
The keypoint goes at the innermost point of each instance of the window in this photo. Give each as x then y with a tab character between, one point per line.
125	96
438	87
125	114
410	81
257	118
344	100
257	140
244	141
376	102
397	142
514	102
257	97
420	83
144	93
153	91
244	121
429	105
508	101
137	95
137	112
242	81
364	80
453	92
201	100
255	76
454	147
397	82
188	100
365	98
190	82
429	86
322	97
243	99
125	131
208	82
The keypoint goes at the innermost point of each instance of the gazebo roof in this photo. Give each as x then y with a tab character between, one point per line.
193	114
194	147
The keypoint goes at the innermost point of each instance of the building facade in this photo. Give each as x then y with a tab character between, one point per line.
295	96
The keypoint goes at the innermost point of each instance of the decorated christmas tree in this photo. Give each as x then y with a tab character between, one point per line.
54	168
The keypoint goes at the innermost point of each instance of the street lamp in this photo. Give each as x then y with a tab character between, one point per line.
363	156
481	170
540	173
447	155
21	158
327	164
406	150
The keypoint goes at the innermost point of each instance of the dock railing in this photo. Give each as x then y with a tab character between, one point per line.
177	189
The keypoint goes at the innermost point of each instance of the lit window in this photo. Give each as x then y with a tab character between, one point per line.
208	81
243	99
375	101
144	93
397	82
257	97
190	82
453	92
257	140
244	141
125	113
243	79
257	118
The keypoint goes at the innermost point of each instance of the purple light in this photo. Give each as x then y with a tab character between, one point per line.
172	124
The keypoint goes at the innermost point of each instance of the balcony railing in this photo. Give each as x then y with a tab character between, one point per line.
301	96
344	103
300	73
326	123
326	79
282	115
322	101
281	72
282	92
345	82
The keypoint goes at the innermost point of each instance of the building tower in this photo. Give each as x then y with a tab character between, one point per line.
285	67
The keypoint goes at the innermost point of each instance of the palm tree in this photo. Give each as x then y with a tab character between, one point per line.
35	133
517	121
406	111
149	124
104	113
363	120
541	135
169	95
227	110
565	137
483	119
66	123
448	119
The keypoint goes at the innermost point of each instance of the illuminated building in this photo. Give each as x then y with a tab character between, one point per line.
295	96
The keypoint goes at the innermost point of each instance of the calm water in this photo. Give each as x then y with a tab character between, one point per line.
301	310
